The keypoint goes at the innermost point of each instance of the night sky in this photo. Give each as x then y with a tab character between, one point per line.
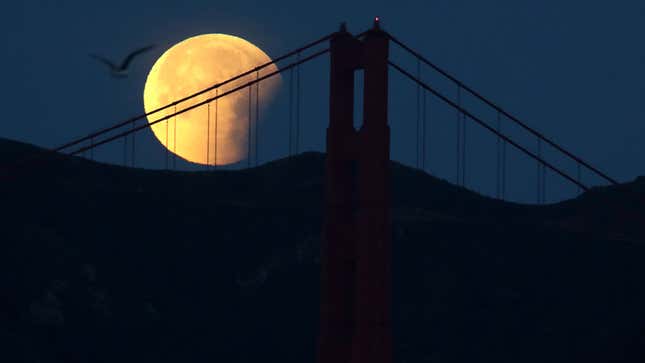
571	69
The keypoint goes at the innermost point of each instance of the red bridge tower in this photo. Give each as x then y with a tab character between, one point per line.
355	325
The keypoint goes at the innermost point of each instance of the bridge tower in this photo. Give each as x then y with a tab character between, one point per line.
355	325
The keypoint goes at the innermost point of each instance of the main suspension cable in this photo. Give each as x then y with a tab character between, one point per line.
199	104
501	110
486	126
218	85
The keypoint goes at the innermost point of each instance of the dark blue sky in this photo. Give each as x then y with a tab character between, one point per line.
571	69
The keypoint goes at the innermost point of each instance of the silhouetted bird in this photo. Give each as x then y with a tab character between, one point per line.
121	71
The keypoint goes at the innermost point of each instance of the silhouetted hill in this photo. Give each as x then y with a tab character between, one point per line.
108	264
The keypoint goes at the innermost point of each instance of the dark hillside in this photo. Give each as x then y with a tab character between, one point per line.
101	263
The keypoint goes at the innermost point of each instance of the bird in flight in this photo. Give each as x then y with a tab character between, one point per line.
121	71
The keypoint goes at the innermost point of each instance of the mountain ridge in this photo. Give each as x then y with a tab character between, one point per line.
592	211
104	263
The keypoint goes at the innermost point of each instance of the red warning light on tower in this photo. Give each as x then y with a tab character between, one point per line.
377	23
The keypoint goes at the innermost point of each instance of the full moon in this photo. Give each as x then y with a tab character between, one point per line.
216	133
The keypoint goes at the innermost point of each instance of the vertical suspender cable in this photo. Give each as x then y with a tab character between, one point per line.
503	164
458	135
174	141
257	117
215	137
297	143
290	110
134	140
167	142
504	168
463	150
539	171
543	184
423	151
579	177
498	186
208	134
125	150
248	138
418	134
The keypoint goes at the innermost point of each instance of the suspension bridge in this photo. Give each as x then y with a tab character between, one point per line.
549	157
355	323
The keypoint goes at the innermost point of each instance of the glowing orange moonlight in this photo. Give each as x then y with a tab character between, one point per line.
195	64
